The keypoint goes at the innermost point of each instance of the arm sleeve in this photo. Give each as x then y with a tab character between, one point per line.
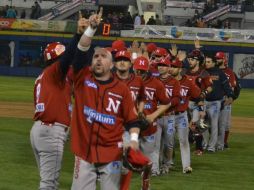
194	90
66	59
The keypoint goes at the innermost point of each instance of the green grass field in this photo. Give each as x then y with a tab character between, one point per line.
232	169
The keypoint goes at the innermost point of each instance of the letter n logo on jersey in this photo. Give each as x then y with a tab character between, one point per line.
149	95
113	105
184	92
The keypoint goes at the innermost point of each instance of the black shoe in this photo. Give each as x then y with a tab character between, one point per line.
226	145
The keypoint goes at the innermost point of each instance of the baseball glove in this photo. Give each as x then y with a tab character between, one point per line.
144	124
136	161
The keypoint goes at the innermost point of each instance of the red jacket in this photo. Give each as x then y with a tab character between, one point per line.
102	109
230	75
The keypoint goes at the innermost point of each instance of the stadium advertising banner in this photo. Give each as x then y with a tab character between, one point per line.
244	65
191	33
37	25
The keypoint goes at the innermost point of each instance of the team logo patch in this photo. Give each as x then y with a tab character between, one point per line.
114	167
90	84
148	106
150	138
39	107
93	115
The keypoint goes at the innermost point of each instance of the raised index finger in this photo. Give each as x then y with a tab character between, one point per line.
80	15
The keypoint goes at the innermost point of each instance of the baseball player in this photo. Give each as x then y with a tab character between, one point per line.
201	78
52	102
135	84
225	115
154	92
103	107
158	54
187	89
220	88
167	120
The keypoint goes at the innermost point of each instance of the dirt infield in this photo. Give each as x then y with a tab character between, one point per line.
26	110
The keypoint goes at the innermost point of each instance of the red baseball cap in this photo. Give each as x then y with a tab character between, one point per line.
123	54
176	63
164	61
118	45
160	52
220	55
151	47
141	63
53	51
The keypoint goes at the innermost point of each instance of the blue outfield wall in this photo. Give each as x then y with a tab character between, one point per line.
24	39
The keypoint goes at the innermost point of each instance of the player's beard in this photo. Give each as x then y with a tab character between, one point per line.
193	66
219	63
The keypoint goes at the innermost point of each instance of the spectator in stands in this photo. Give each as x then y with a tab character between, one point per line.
2	12
137	20
151	21
109	18
32	16
188	23
115	18
158	20
11	13
218	24
200	23
23	14
37	13
129	19
143	21
227	25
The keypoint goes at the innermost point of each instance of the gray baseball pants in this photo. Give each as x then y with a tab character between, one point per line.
48	144
85	175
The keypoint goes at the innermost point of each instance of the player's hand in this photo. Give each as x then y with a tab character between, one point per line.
82	24
173	50
181	55
134	145
197	43
95	19
228	101
150	118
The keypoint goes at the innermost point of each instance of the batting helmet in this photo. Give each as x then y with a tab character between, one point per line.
197	54
135	160
53	51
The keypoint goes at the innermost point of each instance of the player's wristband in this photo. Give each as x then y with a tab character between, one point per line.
82	48
134	137
89	32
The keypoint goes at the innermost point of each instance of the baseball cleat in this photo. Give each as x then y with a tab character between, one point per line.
155	173
198	152
187	170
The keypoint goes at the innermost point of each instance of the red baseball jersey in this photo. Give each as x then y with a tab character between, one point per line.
173	91
102	109
188	90
230	75
52	96
155	93
201	78
136	87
